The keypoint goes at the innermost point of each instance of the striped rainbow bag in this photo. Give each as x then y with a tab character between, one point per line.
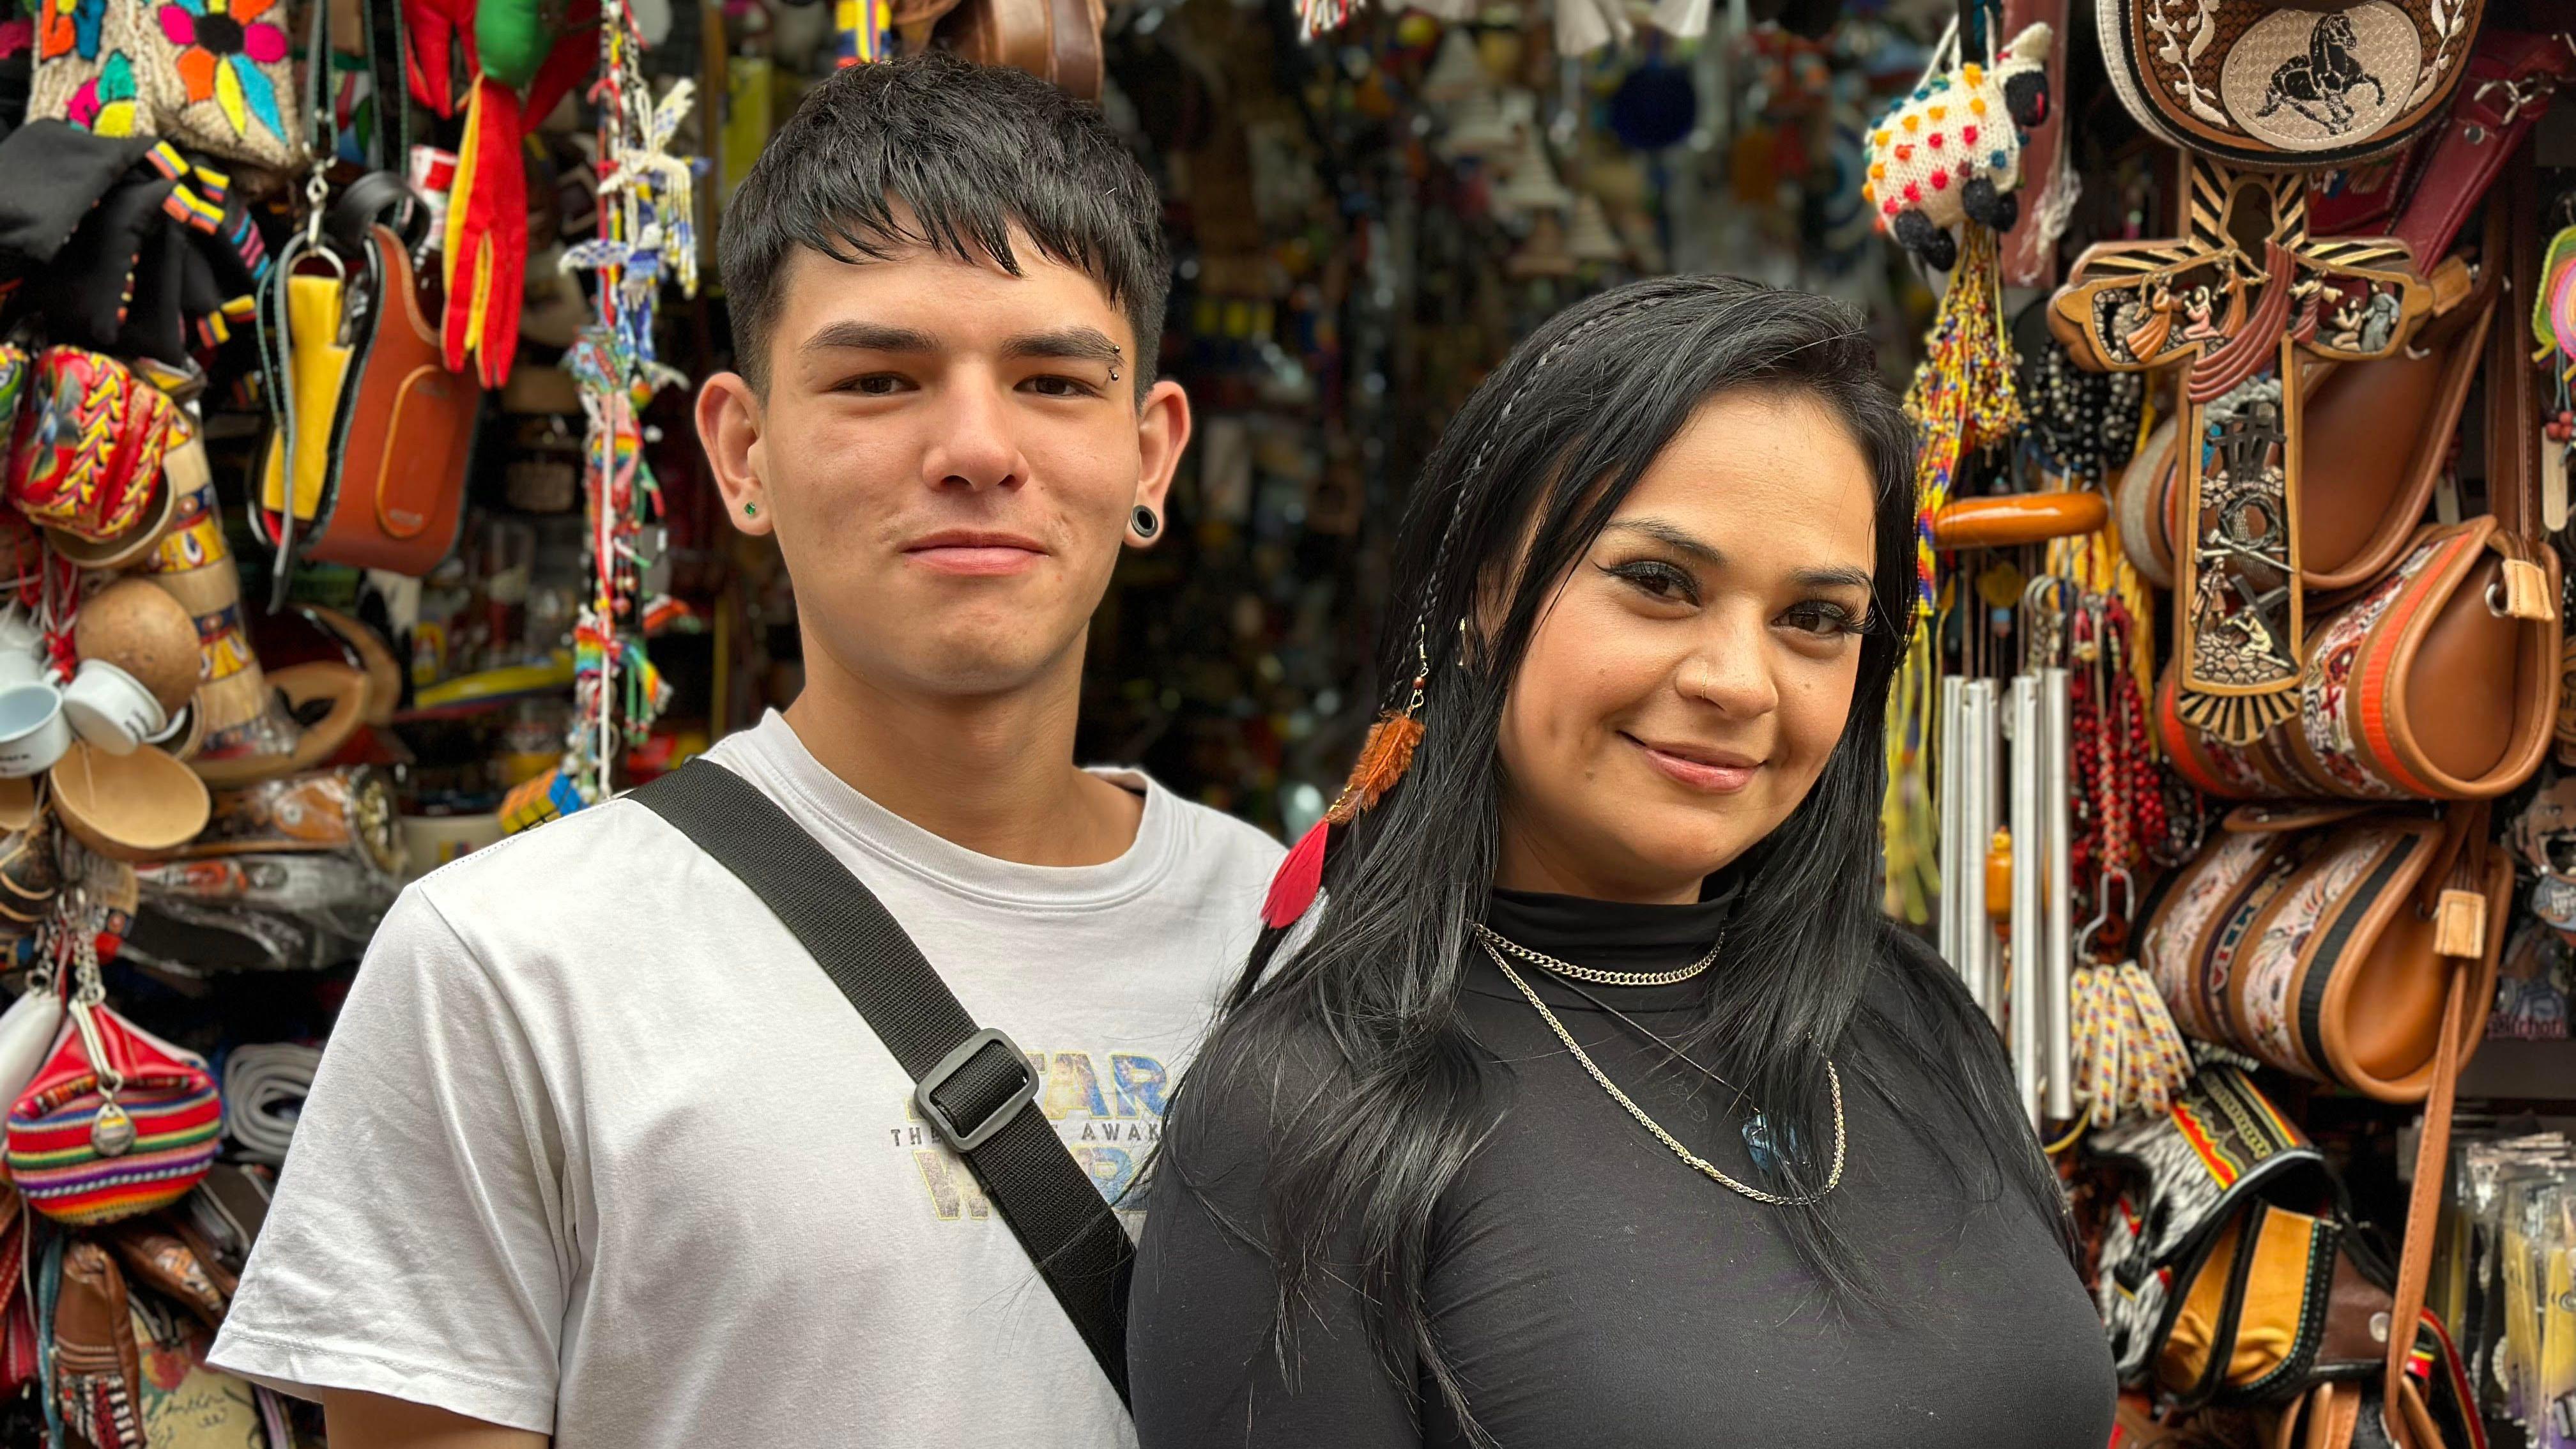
118	1123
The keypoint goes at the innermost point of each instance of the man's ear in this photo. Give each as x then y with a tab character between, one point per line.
1162	432
729	424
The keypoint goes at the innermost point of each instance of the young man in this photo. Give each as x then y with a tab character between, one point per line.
598	1154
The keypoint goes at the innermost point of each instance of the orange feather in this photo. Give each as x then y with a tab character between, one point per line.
1384	758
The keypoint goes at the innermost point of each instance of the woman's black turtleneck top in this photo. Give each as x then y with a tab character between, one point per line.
1592	1291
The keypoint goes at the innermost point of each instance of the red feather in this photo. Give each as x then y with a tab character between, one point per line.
1300	878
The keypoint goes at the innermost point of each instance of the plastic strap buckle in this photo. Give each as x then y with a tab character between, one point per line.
968	1139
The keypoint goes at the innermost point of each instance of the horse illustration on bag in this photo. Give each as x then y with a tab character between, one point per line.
2320	84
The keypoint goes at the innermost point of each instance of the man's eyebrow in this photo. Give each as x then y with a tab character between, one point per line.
1073	344
870	337
1682	540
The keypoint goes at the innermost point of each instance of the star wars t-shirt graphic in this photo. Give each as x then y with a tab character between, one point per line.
1107	1106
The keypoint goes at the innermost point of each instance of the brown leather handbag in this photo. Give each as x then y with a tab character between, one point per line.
2441	681
2232	1275
2318	940
2423	687
1058	40
2378	434
385	432
2284	86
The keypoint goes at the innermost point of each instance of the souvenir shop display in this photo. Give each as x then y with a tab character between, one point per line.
265	270
354	520
2299	584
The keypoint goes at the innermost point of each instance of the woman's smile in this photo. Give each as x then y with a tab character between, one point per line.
1717	771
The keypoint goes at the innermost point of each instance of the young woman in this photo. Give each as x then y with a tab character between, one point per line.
1595	1105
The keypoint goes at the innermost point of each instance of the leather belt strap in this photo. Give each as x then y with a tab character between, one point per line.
2423	1206
2513	406
976	1088
2501	95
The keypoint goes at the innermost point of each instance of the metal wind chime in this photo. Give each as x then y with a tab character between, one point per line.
2043	791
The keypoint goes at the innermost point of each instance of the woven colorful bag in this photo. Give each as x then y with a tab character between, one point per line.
2320	940
118	1123
2422	687
213	75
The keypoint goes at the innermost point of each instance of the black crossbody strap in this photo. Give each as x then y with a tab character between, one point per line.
974	1087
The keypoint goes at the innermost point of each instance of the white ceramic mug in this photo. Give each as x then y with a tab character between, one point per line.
111	709
33	732
22	647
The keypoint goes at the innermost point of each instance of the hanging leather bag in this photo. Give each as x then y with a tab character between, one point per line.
2378	436
2319	940
2231	1275
2282	87
2440	681
378	431
2426	686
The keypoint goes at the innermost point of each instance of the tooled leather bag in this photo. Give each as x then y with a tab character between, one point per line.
2423	687
382	432
2318	940
2378	435
2280	86
2233	1276
2441	681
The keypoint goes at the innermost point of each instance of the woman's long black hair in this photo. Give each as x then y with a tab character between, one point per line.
1377	1094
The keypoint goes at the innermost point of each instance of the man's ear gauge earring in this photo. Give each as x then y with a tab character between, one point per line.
1145	521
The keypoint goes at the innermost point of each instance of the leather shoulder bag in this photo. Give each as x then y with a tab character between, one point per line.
2319	940
2377	438
2286	86
380	432
2440	681
2229	1274
2425	686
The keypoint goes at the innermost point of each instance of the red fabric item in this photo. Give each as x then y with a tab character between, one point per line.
495	231
576	52
1300	879
437	28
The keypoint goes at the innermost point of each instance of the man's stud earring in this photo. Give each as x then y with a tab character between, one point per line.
751	510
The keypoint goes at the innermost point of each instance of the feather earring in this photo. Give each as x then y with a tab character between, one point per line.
1384	757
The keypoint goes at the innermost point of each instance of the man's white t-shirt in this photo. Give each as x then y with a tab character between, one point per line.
598	1151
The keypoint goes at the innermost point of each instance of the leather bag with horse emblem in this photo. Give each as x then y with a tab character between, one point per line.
2273	85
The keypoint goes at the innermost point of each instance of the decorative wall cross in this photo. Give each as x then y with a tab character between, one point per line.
2244	303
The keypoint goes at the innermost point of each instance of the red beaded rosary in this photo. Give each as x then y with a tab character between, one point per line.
2118	797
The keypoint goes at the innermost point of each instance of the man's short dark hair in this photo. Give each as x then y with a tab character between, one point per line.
970	152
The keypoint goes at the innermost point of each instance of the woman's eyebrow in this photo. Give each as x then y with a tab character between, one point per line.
1674	536
1681	539
1837	578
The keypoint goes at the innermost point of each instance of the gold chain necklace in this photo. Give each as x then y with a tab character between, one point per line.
1698	1163
1544	962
